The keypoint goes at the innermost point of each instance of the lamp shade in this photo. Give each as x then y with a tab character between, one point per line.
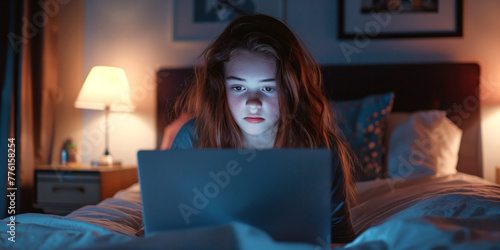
105	86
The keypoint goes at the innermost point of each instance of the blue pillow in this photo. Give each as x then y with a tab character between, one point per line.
362	124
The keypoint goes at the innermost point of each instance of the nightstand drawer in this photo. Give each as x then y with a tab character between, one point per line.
74	188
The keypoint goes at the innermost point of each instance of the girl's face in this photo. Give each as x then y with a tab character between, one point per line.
252	95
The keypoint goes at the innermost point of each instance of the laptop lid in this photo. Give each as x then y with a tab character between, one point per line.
285	192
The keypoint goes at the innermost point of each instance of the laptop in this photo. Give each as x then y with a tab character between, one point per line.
283	192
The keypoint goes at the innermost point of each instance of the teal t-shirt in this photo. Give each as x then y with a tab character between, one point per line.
341	225
184	139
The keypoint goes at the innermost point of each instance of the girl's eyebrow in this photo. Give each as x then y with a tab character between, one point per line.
243	80
235	78
268	80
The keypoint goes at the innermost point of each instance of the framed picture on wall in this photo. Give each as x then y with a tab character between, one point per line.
399	18
202	20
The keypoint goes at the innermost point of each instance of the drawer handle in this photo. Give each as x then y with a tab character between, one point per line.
79	189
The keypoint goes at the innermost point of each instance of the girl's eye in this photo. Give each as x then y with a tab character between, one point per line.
237	88
268	89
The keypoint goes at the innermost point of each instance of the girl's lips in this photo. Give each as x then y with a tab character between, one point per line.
254	119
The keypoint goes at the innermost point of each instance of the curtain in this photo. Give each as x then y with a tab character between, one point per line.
29	90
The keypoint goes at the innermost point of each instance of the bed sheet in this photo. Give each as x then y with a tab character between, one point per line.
110	222
121	214
455	211
116	223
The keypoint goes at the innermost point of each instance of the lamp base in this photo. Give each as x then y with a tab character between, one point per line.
106	160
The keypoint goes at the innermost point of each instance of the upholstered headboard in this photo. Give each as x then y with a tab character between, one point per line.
452	87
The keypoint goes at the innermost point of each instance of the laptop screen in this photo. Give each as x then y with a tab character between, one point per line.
284	192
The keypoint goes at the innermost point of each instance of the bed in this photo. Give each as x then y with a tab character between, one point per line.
420	185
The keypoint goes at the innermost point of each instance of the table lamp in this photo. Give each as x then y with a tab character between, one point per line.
106	88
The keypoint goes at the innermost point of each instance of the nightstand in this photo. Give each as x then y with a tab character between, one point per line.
60	189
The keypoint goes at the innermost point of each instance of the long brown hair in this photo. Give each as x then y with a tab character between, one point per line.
305	120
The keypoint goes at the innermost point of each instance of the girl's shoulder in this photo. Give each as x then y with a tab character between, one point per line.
189	125
185	138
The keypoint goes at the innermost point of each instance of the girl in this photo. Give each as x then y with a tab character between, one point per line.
259	87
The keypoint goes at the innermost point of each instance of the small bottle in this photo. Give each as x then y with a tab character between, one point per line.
64	156
68	152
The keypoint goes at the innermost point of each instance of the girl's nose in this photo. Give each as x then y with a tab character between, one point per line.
254	105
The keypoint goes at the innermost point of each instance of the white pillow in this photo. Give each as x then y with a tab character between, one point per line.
426	144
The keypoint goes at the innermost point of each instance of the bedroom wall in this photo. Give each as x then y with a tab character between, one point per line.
137	36
68	122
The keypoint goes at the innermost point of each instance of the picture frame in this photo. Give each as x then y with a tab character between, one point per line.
203	20
367	18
